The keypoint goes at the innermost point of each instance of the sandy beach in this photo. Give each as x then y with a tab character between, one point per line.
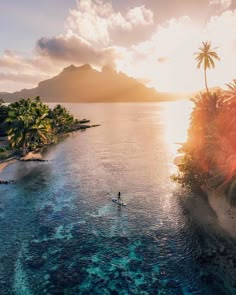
29	156
3	165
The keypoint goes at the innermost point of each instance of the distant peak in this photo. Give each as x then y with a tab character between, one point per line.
108	68
85	67
73	68
70	68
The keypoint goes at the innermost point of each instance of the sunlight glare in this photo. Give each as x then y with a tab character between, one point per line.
176	119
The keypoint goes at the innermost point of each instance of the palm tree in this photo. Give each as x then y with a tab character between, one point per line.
205	136
29	125
206	56
230	93
62	120
3	117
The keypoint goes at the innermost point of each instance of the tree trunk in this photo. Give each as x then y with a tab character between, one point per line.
206	81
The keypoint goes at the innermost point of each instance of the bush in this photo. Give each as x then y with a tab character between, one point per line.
2	150
190	173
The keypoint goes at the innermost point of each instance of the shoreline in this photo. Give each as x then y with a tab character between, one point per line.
36	155
5	163
217	260
226	214
217	200
31	156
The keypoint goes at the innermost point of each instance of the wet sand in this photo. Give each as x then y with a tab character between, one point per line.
4	164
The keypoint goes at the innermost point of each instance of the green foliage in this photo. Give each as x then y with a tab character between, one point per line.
2	150
211	146
61	119
190	173
3	111
3	117
206	57
31	124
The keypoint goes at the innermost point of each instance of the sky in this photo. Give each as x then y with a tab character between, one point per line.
151	40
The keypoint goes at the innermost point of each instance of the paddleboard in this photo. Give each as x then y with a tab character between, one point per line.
118	203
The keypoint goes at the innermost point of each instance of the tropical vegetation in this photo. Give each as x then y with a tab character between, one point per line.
206	56
210	151
209	155
31	124
3	116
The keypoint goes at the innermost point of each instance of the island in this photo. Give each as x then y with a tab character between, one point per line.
28	126
85	84
207	161
208	158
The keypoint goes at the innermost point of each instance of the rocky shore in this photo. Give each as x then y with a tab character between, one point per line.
221	199
217	259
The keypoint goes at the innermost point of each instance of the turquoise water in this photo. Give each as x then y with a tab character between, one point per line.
60	232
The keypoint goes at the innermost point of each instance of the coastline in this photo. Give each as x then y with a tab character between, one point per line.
217	260
226	214
217	200
5	163
36	154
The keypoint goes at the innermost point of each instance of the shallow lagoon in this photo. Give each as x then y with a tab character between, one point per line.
60	232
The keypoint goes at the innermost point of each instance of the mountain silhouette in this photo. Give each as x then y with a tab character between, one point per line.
85	84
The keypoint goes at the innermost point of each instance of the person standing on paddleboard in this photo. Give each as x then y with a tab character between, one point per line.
119	198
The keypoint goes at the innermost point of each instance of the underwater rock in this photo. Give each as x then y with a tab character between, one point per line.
85	250
156	285
139	276
75	231
114	292
143	287
6	181
39	247
172	284
222	250
134	265
47	209
35	262
207	279
65	278
65	255
140	250
46	230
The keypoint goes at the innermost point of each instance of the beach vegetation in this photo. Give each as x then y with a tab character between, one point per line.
30	124
210	150
206	56
61	119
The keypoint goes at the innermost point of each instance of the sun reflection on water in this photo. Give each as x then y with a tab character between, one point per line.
175	117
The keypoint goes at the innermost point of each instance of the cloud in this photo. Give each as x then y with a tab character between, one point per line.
20	61
11	60
222	32
93	33
19	77
162	54
165	60
162	59
169	62
220	5
97	22
74	49
18	69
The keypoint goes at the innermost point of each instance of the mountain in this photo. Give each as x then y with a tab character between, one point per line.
85	84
